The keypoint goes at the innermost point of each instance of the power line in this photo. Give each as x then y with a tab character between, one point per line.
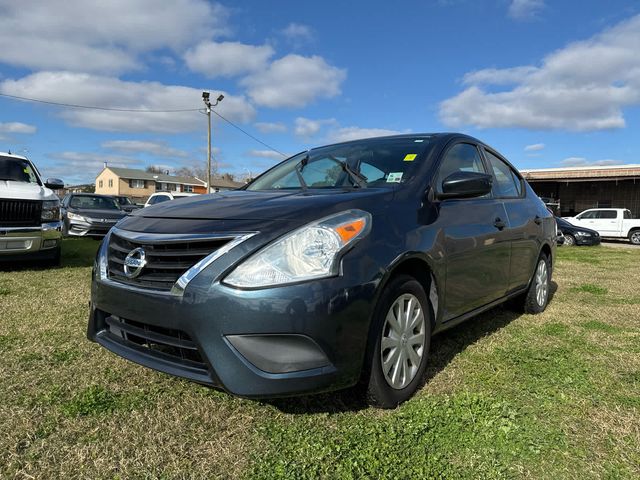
95	107
248	134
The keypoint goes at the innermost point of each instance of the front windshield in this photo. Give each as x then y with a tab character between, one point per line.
89	202
124	200
380	163
17	170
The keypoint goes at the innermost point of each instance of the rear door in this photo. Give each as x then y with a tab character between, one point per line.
524	226
473	233
607	223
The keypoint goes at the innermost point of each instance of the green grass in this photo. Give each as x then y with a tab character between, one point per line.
506	395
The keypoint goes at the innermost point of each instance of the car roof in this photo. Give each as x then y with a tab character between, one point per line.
443	136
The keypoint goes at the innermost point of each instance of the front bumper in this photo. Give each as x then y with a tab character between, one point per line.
273	342
20	242
583	240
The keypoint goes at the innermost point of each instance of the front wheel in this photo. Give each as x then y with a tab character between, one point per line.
401	333
634	237
569	241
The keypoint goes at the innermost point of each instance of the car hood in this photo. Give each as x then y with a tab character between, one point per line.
268	205
94	213
25	191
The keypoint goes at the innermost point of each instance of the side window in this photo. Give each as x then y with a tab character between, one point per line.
588	215
507	182
627	215
607	214
462	157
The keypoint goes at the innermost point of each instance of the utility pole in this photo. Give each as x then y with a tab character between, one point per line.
205	99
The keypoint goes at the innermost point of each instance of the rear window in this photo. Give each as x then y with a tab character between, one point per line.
508	184
158	199
607	214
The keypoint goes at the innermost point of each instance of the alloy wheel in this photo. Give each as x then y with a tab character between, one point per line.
542	283
403	341
635	238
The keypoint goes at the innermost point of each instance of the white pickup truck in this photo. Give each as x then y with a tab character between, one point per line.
30	226
609	222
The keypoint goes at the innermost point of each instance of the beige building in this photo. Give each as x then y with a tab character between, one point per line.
139	184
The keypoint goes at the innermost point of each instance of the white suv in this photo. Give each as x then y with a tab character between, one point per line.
30	226
160	197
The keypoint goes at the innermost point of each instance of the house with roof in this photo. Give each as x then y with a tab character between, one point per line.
139	184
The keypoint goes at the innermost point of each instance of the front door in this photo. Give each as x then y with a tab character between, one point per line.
474	233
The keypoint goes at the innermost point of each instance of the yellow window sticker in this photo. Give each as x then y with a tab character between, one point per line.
410	157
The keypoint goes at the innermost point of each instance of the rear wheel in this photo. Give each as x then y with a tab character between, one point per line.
401	334
634	237
536	298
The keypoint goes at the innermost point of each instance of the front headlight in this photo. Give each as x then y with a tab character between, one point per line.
310	252
75	216
50	211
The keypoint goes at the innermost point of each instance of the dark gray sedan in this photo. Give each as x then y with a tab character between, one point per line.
89	215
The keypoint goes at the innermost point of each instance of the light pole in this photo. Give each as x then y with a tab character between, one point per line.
205	99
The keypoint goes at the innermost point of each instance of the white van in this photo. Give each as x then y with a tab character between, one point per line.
30	226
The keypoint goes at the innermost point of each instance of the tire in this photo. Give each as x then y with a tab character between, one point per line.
569	240
537	296
390	382
634	237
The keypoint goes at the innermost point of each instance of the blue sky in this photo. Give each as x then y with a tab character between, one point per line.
547	83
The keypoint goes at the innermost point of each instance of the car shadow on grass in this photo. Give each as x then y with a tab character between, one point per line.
445	347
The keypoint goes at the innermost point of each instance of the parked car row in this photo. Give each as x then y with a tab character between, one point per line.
33	220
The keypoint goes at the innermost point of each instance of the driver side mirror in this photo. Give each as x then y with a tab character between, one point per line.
54	183
466	185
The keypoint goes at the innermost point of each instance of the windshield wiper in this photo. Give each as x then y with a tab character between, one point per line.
359	179
298	168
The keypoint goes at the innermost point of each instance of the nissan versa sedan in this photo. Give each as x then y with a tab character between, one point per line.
333	268
89	215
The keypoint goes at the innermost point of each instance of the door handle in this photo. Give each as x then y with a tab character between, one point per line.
537	220
499	224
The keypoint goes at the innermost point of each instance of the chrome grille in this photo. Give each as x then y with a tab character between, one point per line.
20	213
167	260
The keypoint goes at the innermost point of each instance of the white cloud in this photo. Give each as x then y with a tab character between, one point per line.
525	9
110	92
294	81
346	134
16	127
297	32
306	127
583	162
536	147
581	87
266	154
104	37
270	127
498	76
227	59
159	149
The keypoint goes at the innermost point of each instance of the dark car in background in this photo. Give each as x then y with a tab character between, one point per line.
89	214
125	203
332	268
577	235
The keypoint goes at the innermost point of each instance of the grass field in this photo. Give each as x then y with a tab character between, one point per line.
507	396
